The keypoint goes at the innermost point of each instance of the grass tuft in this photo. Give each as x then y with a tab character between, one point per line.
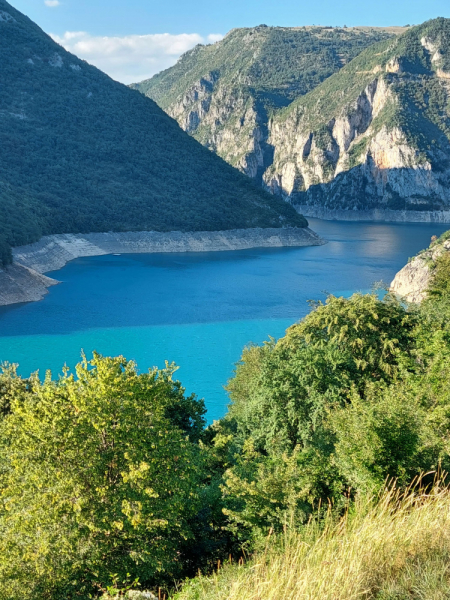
392	549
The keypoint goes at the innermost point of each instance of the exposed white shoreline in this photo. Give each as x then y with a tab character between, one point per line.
374	215
24	280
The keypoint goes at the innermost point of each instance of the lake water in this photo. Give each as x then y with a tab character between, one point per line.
199	309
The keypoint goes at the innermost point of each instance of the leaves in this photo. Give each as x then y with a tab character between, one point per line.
97	480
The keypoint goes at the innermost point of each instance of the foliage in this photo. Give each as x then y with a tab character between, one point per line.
387	434
342	344
83	153
274	64
440	281
337	403
98	480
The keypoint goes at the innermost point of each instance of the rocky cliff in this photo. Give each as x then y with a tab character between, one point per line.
413	280
371	133
375	135
223	94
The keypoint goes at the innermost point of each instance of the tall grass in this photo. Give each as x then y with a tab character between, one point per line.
395	548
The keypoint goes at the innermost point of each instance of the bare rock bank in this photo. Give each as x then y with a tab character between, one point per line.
376	214
21	284
411	282
24	281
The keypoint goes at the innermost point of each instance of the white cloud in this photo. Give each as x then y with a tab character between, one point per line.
52	3
135	57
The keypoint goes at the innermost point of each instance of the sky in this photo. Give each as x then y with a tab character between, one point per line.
131	40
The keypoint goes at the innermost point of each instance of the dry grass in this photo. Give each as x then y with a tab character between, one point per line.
394	549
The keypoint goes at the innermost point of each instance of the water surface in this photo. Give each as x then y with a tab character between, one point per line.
199	309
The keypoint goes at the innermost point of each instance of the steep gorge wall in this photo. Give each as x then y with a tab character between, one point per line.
229	121
373	136
359	160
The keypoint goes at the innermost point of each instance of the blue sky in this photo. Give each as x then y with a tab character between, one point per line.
124	38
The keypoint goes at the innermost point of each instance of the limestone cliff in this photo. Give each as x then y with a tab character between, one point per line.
411	283
229	121
375	135
223	94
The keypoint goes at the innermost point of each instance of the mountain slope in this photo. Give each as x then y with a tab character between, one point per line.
224	93
81	152
376	134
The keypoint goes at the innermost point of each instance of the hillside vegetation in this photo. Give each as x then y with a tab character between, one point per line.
223	94
109	479
392	548
277	64
83	153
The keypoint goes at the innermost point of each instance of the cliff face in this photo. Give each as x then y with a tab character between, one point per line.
375	135
223	94
369	134
229	121
412	282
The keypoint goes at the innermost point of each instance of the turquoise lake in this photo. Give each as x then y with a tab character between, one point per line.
199	309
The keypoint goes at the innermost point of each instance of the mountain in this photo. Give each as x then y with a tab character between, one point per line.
374	135
224	94
82	153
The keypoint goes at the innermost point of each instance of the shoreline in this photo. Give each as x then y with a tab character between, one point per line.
380	215
24	280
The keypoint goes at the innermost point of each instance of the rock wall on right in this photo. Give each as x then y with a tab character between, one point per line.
412	282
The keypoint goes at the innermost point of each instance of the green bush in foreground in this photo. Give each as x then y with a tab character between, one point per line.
98	480
330	406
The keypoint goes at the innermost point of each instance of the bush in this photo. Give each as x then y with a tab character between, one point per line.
98	480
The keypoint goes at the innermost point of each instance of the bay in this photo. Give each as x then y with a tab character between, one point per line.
199	309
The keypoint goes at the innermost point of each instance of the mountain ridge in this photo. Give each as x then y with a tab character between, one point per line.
373	135
224	93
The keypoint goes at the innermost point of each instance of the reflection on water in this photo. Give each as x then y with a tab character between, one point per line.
199	309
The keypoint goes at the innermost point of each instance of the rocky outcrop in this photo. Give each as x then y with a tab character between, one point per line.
24	280
195	104
411	283
229	121
358	160
22	284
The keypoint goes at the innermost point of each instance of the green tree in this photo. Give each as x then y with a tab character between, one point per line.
283	394
281	390
98	480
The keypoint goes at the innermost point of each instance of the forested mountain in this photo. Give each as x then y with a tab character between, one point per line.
223	94
376	134
81	153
